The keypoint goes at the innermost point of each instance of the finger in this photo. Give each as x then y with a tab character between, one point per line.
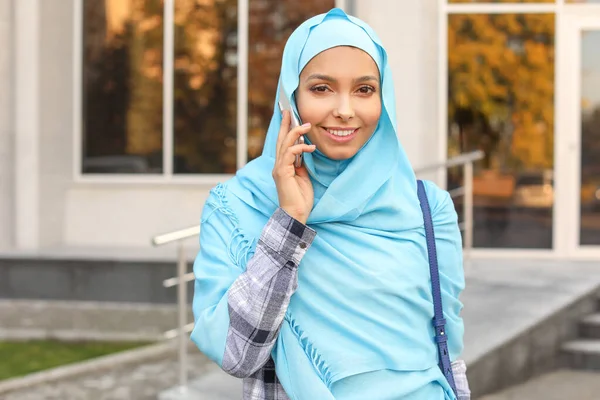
302	172
289	156
293	135
283	130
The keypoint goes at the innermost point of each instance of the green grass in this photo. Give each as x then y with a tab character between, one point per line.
21	358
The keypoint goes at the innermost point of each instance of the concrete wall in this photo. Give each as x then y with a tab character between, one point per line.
6	124
88	280
128	215
84	215
99	214
409	32
56	105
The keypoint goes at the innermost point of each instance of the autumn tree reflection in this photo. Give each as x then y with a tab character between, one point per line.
122	86
205	86
271	22
501	87
501	100
123	81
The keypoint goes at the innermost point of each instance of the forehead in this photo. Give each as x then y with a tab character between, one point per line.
340	62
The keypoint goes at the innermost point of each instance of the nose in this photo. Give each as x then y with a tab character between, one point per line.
344	110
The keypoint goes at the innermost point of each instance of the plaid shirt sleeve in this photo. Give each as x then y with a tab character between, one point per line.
257	303
459	370
259	297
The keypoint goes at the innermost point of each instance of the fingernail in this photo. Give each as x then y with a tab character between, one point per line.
306	125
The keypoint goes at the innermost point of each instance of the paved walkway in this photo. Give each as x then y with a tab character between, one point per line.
559	385
142	382
517	293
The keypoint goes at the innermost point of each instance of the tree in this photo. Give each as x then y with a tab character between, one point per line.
124	77
271	23
205	86
501	87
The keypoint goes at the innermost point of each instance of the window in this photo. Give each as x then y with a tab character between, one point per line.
122	90
271	23
122	82
589	231
205	96
501	101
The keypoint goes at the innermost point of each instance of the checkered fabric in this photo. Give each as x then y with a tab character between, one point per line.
258	300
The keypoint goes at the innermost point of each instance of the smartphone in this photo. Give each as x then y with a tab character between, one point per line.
284	104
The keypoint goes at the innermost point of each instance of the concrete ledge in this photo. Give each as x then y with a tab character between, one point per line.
77	320
533	352
64	335
87	280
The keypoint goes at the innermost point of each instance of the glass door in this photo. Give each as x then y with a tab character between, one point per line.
589	175
582	116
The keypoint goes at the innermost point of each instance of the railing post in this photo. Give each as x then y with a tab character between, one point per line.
468	211
182	315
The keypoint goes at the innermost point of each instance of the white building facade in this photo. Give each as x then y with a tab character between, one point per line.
118	116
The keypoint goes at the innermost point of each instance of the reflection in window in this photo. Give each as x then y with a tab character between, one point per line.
590	138
501	94
205	86
122	86
271	22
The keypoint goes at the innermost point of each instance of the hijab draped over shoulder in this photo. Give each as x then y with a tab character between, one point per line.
363	301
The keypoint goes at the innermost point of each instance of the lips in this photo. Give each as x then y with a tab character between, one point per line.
340	135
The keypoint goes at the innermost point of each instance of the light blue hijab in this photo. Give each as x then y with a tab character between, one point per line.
364	299
343	188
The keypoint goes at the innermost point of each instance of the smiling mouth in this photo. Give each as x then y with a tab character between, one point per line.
341	133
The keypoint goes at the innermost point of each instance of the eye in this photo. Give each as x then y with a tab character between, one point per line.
319	88
366	89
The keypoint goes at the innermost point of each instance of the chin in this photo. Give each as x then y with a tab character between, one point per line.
338	155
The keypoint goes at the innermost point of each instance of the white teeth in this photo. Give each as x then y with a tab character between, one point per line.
341	133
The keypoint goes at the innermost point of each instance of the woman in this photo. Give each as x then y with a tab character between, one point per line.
313	282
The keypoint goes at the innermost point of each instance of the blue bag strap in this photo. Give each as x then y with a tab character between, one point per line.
439	323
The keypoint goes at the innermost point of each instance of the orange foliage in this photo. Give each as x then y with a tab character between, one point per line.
501	68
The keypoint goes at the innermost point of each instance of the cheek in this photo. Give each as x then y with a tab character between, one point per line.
371	114
312	111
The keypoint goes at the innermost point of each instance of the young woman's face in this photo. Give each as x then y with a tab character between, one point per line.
339	94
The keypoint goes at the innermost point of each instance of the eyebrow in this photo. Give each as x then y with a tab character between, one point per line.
328	78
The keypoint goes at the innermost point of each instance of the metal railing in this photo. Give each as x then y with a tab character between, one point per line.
466	160
179	236
183	327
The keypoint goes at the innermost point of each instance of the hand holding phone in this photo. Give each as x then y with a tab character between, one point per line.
294	188
284	105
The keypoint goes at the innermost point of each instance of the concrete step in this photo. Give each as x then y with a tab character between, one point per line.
85	320
582	354
589	326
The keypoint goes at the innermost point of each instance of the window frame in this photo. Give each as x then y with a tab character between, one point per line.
167	176
445	9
